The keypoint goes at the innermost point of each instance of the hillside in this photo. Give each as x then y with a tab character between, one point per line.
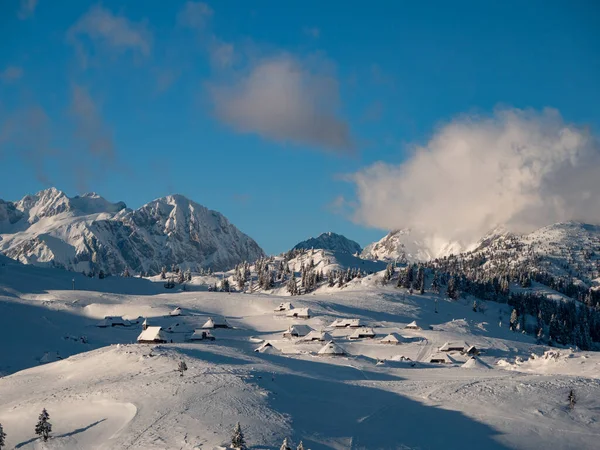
409	245
565	251
330	241
90	234
130	395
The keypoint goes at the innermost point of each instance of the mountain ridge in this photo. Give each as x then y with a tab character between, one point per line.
89	233
330	241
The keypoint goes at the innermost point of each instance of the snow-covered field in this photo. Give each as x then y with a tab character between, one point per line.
108	392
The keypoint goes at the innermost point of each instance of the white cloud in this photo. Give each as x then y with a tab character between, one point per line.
109	32
11	73
26	9
284	100
195	15
522	169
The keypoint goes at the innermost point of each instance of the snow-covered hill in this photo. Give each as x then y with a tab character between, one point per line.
409	245
375	396
569	250
328	260
330	241
88	233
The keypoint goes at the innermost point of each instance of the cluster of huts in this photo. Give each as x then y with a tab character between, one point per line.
305	334
445	352
159	335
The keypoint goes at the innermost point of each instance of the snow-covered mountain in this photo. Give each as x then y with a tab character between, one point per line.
330	241
570	250
89	233
409	245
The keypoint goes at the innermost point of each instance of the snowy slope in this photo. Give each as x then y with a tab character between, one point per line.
328	260
89	233
330	241
409	245
570	250
131	396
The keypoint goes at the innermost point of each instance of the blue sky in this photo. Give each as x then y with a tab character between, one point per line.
258	109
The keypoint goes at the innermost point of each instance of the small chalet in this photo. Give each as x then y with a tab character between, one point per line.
362	333
202	335
152	335
412	326
345	323
297	331
216	322
317	336
285	306
113	321
393	339
176	312
440	358
267	347
301	313
453	347
331	349
473	351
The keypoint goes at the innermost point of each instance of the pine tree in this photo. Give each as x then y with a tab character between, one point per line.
237	439
514	320
330	280
101	275
291	285
285	445
182	368
572	399
163	273
2	437
180	277
43	427
300	446
225	285
389	273
451	291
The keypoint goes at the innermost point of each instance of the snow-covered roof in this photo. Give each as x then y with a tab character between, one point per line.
215	322
176	312
440	357
453	346
331	348
109	321
199	335
362	332
341	323
475	363
267	347
299	312
152	334
298	330
285	306
413	325
315	335
393	338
